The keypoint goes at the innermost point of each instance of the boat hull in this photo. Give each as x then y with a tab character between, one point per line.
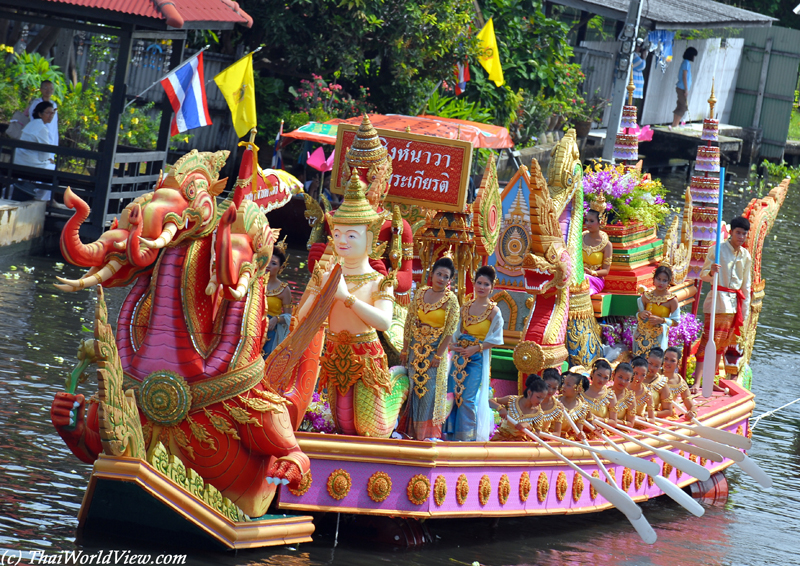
129	497
417	479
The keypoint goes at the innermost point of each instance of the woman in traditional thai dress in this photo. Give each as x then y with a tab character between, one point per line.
480	328
678	388
658	310
572	400
600	398
597	249
279	299
551	413
642	394
522	408
432	319
626	400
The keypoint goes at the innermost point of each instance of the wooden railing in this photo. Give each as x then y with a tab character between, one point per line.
134	173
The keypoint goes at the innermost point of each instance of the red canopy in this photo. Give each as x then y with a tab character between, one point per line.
481	135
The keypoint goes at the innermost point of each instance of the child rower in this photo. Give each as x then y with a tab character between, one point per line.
521	408
626	401
574	384
640	390
550	414
678	388
657	383
600	398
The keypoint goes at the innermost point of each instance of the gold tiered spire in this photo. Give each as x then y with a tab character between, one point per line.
712	101
630	88
367	149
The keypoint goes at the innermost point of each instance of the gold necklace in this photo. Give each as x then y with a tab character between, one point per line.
360	280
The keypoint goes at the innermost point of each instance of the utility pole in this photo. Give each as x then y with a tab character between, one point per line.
622	70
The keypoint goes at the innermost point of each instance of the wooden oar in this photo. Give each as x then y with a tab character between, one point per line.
715	434
613	495
696	450
722	449
683	464
710	367
670	489
619	458
741	459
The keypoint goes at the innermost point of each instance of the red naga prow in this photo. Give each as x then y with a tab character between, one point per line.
190	333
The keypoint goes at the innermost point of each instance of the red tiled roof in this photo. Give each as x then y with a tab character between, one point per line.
174	12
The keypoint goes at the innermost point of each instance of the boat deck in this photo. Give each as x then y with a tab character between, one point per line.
420	479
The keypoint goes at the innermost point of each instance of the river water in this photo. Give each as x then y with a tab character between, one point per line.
42	483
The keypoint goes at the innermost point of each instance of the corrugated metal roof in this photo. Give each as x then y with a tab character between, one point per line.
675	14
188	10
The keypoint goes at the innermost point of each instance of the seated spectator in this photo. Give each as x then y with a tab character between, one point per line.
37	131
46	89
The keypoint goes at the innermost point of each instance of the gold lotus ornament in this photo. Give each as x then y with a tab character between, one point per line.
484	490
379	486
418	489
339	484
503	489
524	486
439	490
305	485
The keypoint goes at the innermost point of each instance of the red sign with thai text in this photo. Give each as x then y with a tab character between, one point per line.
426	171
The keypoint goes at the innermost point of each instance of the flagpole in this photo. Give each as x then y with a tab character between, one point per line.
164	77
253	52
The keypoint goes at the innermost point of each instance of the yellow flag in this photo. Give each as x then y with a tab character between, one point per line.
490	60
237	86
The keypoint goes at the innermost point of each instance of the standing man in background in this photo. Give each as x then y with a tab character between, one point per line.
47	88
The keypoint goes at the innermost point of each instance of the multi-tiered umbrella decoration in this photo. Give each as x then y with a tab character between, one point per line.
704	189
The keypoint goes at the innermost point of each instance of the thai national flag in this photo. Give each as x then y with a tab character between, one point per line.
186	90
462	76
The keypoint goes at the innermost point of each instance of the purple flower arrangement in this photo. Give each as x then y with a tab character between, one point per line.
318	416
630	195
619	331
685	332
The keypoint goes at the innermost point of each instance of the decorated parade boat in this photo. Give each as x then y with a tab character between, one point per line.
192	431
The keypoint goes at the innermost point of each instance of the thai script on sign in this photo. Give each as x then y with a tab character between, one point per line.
427	171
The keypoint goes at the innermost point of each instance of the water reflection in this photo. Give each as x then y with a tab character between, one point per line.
42	483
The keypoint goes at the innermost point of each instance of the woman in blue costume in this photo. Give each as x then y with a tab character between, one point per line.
432	319
279	299
480	328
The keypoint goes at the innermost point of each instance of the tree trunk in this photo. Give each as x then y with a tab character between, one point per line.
16	33
63	49
43	36
48	42
4	27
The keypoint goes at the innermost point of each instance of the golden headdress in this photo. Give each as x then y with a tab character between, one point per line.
356	210
200	167
369	155
281	247
598	204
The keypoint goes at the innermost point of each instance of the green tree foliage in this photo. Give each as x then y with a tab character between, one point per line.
780	9
391	54
535	55
398	49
